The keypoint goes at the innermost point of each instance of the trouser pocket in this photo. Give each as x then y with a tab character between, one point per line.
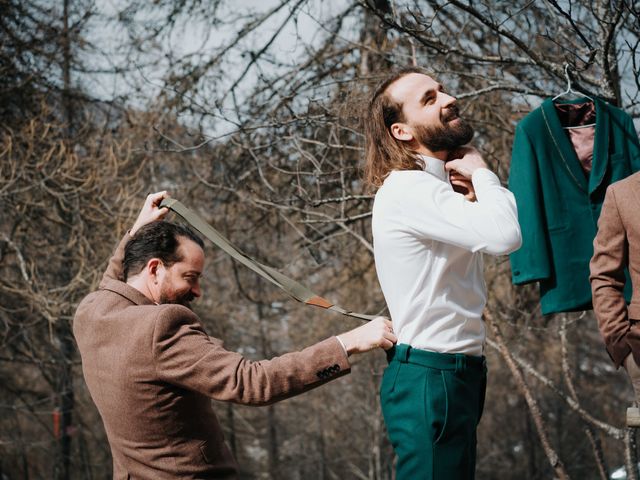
389	378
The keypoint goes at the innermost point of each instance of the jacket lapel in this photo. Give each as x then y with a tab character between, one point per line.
563	145
600	160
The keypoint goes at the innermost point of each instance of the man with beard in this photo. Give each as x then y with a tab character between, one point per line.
428	245
152	370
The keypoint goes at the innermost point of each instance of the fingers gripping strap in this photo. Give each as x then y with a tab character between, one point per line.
293	288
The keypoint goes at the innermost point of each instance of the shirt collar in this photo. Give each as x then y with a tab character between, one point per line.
435	167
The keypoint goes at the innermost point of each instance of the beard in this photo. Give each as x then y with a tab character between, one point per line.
446	136
166	296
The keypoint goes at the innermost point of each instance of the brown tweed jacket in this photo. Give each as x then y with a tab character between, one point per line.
616	246
152	370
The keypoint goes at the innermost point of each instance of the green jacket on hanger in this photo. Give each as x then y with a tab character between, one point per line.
559	205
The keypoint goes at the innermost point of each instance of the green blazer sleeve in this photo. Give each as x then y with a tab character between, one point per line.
633	144
531	262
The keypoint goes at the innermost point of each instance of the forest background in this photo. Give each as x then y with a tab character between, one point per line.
251	113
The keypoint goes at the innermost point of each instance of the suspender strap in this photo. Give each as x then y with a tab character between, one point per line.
293	288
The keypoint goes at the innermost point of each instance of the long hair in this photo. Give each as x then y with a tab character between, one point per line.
383	152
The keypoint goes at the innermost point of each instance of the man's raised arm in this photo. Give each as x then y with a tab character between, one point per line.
150	212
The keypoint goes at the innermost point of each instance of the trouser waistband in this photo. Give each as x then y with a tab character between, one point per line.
442	361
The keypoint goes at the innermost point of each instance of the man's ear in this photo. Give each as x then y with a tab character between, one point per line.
402	131
152	266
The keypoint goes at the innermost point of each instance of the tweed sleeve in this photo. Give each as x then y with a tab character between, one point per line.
114	269
187	357
608	279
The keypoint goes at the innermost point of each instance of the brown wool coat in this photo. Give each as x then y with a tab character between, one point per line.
152	370
617	246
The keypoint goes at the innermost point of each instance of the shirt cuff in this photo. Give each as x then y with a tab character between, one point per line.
484	175
343	347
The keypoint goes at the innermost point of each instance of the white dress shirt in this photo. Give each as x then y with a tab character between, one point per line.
428	242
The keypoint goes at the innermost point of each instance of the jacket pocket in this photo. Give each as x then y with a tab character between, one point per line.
558	218
559	227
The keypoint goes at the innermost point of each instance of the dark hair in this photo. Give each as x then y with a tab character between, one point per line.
383	151
155	240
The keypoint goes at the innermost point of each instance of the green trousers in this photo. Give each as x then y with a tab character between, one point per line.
432	403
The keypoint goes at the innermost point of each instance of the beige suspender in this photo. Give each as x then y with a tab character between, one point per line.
293	288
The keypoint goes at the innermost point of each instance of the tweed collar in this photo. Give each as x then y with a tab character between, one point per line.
127	291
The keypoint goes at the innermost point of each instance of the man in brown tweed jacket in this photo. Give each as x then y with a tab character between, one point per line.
616	247
151	369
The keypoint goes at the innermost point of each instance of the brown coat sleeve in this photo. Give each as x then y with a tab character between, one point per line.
114	270
609	260
185	356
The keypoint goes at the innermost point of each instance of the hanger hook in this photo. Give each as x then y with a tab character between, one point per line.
569	88
566	75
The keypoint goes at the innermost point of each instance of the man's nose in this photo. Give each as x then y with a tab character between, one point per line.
447	100
195	290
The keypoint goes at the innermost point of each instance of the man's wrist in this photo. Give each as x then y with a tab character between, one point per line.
479	169
134	229
343	345
483	173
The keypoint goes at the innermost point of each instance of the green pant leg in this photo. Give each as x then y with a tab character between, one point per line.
431	417
455	450
403	406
